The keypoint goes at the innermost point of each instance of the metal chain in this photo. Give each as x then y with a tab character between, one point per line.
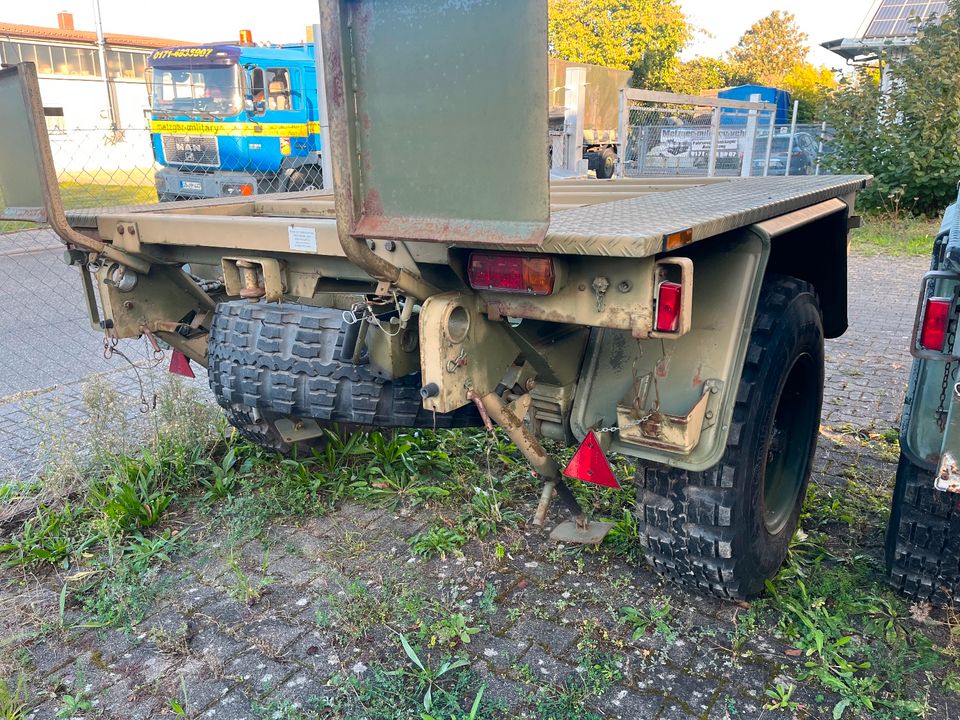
632	423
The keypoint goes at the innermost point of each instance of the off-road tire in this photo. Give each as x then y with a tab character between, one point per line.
607	165
711	530
923	537
283	361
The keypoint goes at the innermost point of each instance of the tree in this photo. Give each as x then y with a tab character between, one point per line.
908	138
770	50
640	35
695	76
812	86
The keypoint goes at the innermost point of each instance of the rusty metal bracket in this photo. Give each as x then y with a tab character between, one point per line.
254	278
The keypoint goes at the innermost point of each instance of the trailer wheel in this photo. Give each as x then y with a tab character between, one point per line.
608	164
923	537
308	177
726	530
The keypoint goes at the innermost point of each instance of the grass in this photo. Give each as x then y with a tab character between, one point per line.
91	194
897	235
111	536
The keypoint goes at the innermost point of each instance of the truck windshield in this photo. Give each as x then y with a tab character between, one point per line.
195	90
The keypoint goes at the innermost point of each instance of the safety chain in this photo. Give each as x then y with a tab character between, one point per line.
110	343
949	369
632	423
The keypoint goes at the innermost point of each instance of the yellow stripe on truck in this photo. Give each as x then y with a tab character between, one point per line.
235	129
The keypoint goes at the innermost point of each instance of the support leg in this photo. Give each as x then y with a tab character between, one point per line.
579	531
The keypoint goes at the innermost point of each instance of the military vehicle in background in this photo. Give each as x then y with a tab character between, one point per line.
923	537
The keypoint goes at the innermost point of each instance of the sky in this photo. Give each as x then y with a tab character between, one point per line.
203	20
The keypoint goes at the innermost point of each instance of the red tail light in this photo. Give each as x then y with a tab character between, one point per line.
512	272
936	317
668	307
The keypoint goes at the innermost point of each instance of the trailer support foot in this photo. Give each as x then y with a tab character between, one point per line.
580	530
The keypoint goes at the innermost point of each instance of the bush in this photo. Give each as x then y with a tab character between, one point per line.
906	136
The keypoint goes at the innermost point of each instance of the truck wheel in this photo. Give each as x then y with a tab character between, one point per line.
284	360
608	164
308	177
726	530
923	537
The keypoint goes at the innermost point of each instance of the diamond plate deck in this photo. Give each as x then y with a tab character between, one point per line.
616	218
637	227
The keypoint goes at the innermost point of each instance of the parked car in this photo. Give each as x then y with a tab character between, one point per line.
803	154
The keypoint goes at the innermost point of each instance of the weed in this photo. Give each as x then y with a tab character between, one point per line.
488	601
780	698
437	541
452	628
244	589
417	689
655	619
13	702
74	704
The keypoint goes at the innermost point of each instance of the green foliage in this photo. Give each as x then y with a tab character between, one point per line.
640	35
693	77
75	704
14	701
452	628
812	86
781	698
435	689
907	137
437	541
655	619
770	49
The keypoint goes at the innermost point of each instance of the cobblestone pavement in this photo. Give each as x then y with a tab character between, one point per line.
552	611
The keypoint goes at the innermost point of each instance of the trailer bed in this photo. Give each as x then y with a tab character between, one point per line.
616	218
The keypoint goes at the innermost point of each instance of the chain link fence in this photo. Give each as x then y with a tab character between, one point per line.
55	380
681	135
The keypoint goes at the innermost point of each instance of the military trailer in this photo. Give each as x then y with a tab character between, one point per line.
923	537
679	322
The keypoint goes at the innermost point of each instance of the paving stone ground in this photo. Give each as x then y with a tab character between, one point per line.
231	660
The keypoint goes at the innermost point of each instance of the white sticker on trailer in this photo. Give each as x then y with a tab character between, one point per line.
302	239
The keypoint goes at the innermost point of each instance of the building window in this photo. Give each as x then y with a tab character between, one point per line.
53	59
54	118
125	65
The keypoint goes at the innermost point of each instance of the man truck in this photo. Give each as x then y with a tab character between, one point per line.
234	120
679	322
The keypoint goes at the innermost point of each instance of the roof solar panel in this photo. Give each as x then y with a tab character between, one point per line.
900	18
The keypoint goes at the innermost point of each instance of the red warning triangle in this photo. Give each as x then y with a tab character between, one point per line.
590	464
180	364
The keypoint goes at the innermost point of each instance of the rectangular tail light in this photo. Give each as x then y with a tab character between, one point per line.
669	307
936	317
512	273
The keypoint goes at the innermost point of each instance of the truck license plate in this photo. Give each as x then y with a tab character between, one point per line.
191	185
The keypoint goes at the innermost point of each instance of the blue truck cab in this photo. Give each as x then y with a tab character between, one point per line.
230	120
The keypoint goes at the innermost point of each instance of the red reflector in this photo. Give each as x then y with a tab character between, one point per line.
668	307
180	364
590	464
936	316
510	272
